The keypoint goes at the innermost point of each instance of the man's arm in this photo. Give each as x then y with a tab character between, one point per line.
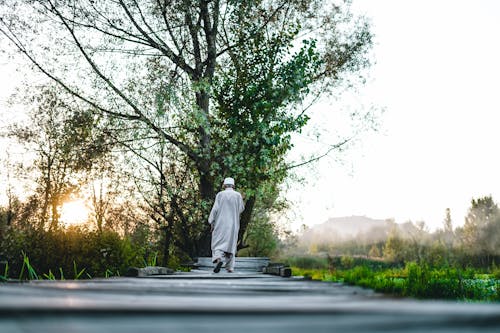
241	204
213	213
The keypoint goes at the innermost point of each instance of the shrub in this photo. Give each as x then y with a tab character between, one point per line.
415	280
65	253
308	262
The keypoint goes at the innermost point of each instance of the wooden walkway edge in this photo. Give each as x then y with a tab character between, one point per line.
245	301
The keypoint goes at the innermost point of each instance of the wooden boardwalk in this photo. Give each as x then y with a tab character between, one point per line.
202	301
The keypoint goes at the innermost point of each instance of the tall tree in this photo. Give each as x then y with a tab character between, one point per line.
447	236
447	222
221	81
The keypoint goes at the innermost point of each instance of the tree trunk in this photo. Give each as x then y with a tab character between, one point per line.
207	193
246	216
54	222
206	181
167	238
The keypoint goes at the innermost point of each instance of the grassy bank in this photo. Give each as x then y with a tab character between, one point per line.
412	280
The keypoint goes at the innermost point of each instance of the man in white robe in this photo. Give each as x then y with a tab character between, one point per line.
225	224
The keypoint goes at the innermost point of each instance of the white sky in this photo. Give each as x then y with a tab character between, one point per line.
437	72
436	75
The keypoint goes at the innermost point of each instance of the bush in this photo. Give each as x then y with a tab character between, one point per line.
414	280
308	262
65	253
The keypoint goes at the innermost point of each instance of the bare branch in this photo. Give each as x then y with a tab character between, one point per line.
169	27
18	44
178	60
317	158
137	111
263	26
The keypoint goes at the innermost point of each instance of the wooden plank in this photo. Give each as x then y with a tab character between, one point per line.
148	271
263	303
254	264
277	269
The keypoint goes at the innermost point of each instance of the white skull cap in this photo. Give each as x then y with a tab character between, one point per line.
229	181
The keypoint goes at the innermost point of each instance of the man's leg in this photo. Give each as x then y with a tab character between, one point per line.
229	262
217	256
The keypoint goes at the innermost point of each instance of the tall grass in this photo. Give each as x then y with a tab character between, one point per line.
77	273
151	260
5	275
28	272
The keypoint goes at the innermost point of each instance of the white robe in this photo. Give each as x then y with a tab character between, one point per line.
225	218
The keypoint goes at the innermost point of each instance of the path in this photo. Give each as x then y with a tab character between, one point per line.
202	301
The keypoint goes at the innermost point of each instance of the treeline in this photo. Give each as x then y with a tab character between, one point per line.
474	244
115	236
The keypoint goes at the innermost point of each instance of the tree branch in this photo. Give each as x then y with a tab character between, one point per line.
18	44
167	24
317	158
176	59
266	22
186	149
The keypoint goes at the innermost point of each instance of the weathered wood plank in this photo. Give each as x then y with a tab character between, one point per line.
262	303
277	269
148	271
254	264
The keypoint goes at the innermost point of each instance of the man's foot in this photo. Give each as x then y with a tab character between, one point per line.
230	270
218	266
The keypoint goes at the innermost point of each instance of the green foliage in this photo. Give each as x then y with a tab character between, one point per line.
310	262
76	273
67	141
481	231
495	271
417	278
151	259
28	272
335	263
50	275
75	253
313	274
414	280
261	239
347	261
5	274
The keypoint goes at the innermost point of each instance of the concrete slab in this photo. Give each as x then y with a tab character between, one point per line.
192	302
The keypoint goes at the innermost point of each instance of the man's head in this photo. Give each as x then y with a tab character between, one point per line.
229	182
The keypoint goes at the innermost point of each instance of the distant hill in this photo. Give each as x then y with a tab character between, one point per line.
341	229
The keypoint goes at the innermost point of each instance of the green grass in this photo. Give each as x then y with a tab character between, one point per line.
5	276
414	280
28	272
151	260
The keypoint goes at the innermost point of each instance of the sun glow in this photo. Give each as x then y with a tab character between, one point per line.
74	212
